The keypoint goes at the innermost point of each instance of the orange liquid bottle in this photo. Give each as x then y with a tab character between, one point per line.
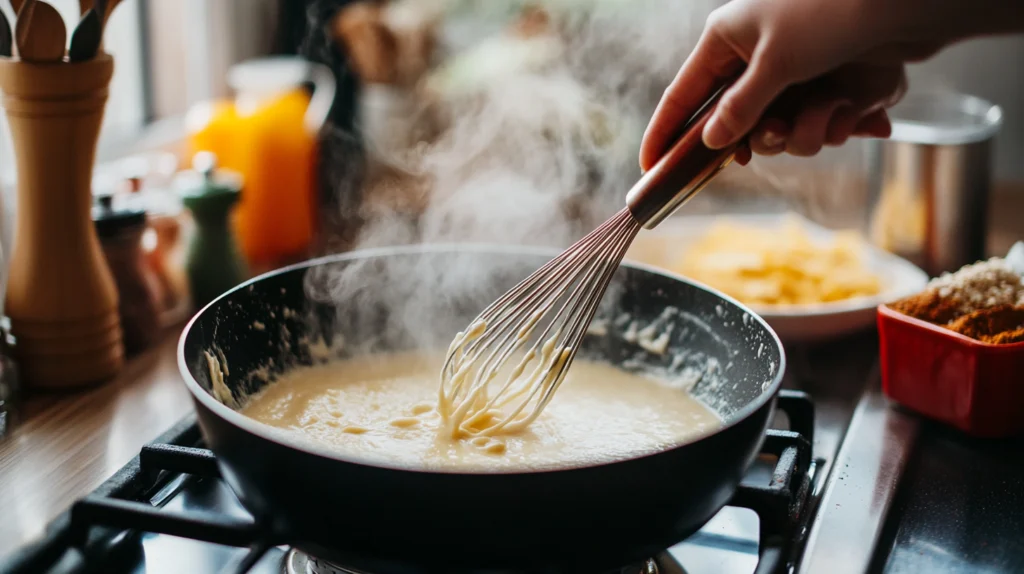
212	127
268	134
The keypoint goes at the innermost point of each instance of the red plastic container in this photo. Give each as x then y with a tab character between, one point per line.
974	386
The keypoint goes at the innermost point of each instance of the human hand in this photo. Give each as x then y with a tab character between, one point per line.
810	73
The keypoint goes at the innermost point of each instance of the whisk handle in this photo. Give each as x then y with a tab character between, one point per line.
683	171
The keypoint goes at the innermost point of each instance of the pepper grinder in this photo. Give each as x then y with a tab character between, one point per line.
8	387
120	231
61	298
214	263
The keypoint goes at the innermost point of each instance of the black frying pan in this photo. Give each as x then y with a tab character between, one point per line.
382	519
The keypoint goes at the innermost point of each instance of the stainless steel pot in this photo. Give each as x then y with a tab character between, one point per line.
931	180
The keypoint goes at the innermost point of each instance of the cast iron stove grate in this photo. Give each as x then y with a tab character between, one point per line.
101	532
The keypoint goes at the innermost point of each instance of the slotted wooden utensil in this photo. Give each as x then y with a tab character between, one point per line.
85	40
39	32
100	6
6	36
110	6
103	8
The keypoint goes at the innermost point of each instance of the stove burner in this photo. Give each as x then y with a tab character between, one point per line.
299	562
100	533
302	563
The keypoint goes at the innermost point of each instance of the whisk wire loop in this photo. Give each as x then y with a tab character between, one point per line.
547	314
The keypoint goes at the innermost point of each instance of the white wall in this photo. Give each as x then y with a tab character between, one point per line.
194	42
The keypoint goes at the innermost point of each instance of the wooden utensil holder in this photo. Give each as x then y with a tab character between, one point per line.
61	297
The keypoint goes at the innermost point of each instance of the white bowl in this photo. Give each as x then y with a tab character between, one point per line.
792	323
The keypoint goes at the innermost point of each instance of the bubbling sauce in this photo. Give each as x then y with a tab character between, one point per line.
382	409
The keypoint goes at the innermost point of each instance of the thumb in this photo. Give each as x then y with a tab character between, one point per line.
743	104
698	79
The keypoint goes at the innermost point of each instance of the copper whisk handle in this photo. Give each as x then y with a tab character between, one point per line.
683	171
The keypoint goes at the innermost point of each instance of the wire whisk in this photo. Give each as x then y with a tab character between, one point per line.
504	369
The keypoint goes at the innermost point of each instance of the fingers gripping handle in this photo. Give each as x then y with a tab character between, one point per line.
683	171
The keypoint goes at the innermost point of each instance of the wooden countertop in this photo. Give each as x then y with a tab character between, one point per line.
62	447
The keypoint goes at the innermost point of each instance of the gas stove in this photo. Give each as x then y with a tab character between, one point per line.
168	511
882	491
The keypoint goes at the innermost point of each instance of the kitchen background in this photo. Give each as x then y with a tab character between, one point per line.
476	120
172	55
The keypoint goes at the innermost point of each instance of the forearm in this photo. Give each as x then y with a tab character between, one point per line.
947	21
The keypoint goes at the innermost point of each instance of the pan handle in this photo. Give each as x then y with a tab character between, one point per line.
780	504
799	409
770	556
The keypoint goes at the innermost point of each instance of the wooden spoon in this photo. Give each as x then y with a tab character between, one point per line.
108	8
40	33
85	40
16	5
6	39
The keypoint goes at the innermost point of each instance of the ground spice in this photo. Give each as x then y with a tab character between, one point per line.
1008	337
981	285
983	301
929	306
998	325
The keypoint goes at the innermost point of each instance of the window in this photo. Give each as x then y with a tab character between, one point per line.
169	54
126	109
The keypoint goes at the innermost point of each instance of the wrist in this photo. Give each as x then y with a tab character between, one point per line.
989	17
907	21
948	21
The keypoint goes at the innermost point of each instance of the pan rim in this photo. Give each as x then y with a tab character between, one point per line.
289	440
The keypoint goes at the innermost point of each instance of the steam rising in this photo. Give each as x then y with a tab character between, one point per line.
545	150
537	153
831	189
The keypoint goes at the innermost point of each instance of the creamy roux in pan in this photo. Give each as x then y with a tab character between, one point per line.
382	409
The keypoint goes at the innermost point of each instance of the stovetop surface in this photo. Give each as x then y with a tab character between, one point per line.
727	544
943	503
959	508
835	377
173	487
